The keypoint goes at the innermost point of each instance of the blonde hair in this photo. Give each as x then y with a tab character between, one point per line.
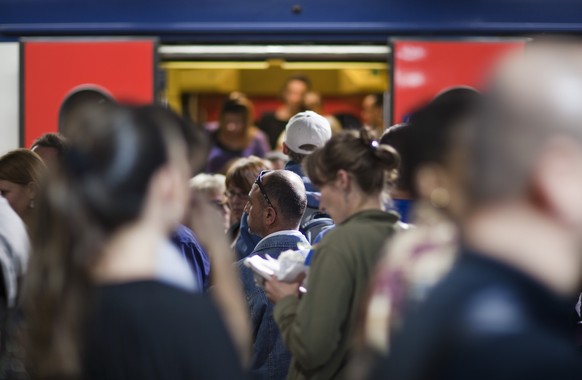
208	184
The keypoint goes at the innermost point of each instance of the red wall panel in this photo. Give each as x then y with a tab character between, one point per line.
422	69
53	69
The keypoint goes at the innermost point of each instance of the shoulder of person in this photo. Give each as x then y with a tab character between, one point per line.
257	134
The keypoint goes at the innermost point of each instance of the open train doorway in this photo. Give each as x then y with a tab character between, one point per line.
198	79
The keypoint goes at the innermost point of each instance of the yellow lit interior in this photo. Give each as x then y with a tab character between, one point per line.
266	78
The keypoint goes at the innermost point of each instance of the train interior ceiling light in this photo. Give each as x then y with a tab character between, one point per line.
318	52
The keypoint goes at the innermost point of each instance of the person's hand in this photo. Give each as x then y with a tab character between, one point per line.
276	290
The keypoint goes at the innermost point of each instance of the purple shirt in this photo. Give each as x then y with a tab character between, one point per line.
219	155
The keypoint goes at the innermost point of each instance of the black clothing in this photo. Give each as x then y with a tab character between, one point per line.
486	320
273	127
147	330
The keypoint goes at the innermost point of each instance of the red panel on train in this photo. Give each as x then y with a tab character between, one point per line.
422	69
123	70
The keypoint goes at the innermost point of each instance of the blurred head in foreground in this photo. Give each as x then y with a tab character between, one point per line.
434	171
521	259
526	163
124	175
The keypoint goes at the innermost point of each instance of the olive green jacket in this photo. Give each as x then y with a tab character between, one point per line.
318	328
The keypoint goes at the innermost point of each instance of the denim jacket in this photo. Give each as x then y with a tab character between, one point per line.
270	356
245	242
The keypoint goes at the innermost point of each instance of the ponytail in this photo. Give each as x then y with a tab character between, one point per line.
384	154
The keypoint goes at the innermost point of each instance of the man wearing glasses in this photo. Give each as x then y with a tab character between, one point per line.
276	205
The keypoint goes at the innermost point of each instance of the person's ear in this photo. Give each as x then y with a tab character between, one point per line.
285	149
31	190
557	181
269	215
343	180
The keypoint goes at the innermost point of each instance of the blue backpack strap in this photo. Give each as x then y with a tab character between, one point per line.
314	223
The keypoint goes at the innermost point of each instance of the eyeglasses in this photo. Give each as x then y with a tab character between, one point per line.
259	182
232	195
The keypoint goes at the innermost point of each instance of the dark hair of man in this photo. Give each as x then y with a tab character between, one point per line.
372	165
84	97
433	127
102	187
287	193
52	140
296	157
233	106
399	137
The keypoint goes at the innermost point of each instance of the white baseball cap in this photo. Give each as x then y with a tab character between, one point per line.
307	128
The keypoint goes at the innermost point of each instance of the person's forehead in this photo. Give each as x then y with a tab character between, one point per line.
232	188
49	150
368	101
296	83
254	189
5	184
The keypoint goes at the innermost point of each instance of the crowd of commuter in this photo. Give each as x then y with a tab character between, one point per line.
446	247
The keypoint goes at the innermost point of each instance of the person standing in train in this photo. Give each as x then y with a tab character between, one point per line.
313	102
273	123
373	114
351	171
504	311
235	137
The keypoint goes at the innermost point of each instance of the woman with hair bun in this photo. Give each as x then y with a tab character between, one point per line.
94	303
352	171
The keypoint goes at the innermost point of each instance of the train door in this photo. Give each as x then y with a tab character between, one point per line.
198	78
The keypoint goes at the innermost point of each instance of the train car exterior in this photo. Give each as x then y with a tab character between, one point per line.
211	22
